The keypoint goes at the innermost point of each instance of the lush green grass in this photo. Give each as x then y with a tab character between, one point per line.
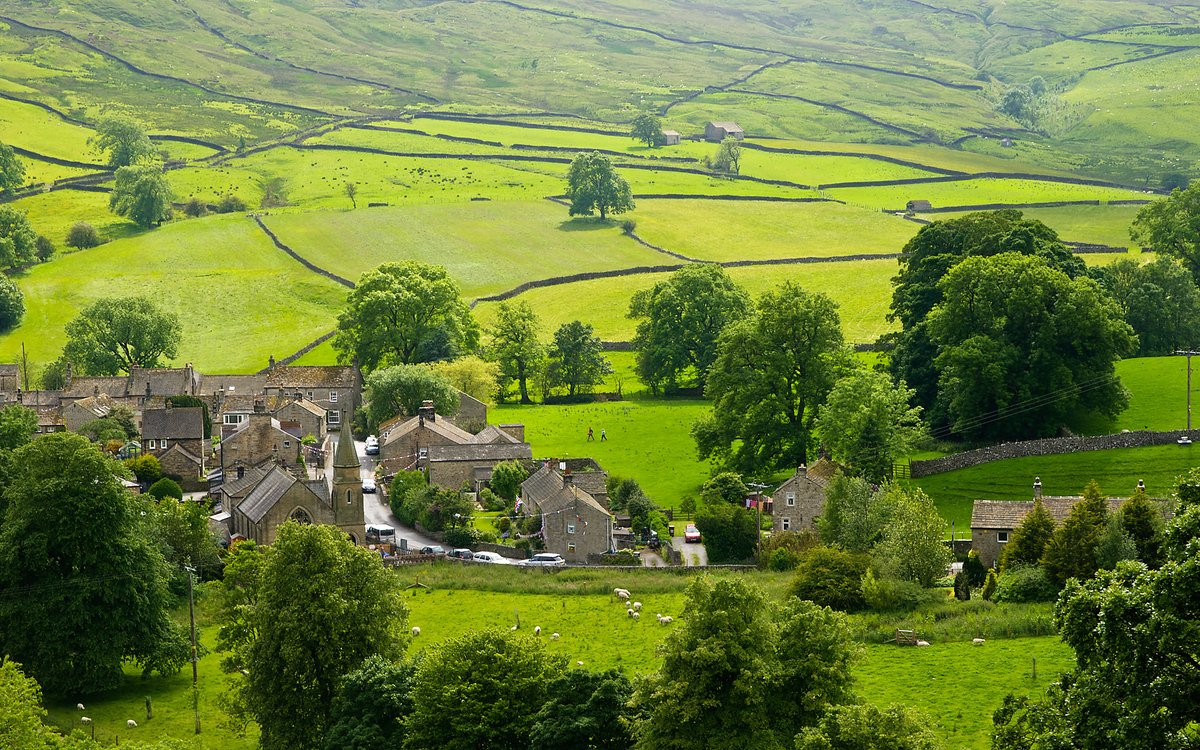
979	192
52	214
1157	393
42	132
212	272
737	230
1102	225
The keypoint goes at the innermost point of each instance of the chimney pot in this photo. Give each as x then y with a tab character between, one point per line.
1037	487
427	412
802	470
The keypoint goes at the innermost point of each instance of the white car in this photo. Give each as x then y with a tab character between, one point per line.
490	557
372	446
544	560
369	485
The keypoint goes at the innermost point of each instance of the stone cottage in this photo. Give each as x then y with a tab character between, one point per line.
797	502
78	413
335	388
258	440
175	435
451	455
574	524
719	131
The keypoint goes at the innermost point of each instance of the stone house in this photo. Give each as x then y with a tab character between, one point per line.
50	420
452	466
257	441
78	413
10	381
175	435
718	131
671	137
449	453
574	524
798	502
308	416
335	388
472	414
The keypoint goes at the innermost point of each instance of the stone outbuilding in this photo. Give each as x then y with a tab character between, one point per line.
671	138
917	206
798	502
78	413
718	131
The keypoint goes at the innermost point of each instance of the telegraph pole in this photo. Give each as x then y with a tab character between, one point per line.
758	488
1189	354
191	571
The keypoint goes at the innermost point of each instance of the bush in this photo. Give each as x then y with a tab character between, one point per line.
620	491
975	569
962	587
506	479
12	304
831	578
165	488
989	586
194	208
1026	583
44	248
782	560
503	524
82	236
628	226
463	536
145	468
230	204
730	533
405	483
624	557
891	594
487	537
492	502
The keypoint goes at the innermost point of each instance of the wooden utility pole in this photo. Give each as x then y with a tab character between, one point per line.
195	676
1189	354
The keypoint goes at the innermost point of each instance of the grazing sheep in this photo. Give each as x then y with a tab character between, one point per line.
622	594
416	631
131	724
637	605
630	612
79	706
636	615
978	641
665	619
554	636
537	630
85	719
922	643
579	663
513	628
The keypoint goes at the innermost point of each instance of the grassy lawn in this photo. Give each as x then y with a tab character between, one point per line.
53	214
1103	225
243	300
979	192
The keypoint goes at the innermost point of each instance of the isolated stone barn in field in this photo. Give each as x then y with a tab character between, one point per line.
671	137
915	206
719	131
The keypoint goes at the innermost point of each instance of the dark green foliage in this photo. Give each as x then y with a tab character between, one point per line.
594	186
647	128
165	488
506	479
492	502
230	204
185	538
142	194
1025	583
118	425
584	710
82	235
577	360
867	727
679	321
401	389
962	587
773	370
460	536
989	585
405	313
1028	541
782	550
124	140
620	490
370	706
831	578
113	334
1159	300
855	514
730	532
1170	225
728	158
44	248
1144	525
434	508
867	423
1071	552
887	594
18	241
12	170
17	427
975	570
499	679
1114	544
72	538
726	487
515	345
1173	181
404	484
194	208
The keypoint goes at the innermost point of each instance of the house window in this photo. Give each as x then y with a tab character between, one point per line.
333	397
162	443
309	395
791	499
570	528
287	443
570	548
150	444
333	417
1002	537
787	524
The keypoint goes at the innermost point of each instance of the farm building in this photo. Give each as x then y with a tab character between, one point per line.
671	137
574	524
719	131
798	501
914	206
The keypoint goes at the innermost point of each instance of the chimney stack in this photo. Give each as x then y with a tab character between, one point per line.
801	470
260	406
426	412
271	362
568	480
1141	485
1037	487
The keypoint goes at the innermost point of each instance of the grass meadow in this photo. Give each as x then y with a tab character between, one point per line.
976	192
1102	225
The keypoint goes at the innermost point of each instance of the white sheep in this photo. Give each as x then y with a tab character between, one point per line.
513	628
85	720
537	630
636	615
630	612
621	594
554	636
922	643
664	619
637	605
79	706
416	631
579	663
978	641
131	724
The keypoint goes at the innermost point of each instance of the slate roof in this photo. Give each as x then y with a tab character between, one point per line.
483	452
99	405
311	376
595	483
493	434
441	427
541	484
570	496
306	405
266	493
177	448
729	127
163	381
234	486
232	385
117	387
1008	514
176	423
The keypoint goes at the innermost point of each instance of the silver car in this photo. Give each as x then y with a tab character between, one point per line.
544	560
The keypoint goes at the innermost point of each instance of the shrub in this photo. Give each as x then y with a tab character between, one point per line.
486	537
628	226
962	587
730	532
506	479
989	586
145	467
891	594
82	236
1026	583
623	557
194	208
44	248
782	560
831	578
503	524
463	536
402	486
492	502
230	204
12	304
975	569
164	488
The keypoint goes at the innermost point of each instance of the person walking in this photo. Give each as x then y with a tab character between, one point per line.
603	435
590	437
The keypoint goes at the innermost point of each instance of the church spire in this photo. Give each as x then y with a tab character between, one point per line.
345	456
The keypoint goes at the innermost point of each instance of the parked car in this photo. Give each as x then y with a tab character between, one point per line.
369	485
372	445
543	560
462	553
432	550
490	557
380	534
691	533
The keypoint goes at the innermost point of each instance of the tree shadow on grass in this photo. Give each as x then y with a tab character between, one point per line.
586	224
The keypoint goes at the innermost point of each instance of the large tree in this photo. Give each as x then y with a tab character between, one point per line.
400	391
12	171
577	360
124	140
370	706
730	532
480	690
1172	226
141	194
1071	552
114	334
474	376
1159	300
405	313
322	607
1136	683
773	370
867	423
867	727
18	241
1022	347
647	128
584	711
911	548
515	344
593	185
741	671
679	320
86	589
856	513
1028	541
12	304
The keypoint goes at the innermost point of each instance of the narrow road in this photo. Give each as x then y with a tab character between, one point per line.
694	554
375	513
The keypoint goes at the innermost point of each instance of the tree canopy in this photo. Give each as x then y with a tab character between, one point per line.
401	389
114	334
1171	225
584	710
124	140
867	727
370	706
1028	541
12	304
90	593
18	241
577	361
730	532
679	321
647	128
12	170
515	345
472	375
1159	300
911	548
868	424
855	513
773	370
594	186
142	194
405	313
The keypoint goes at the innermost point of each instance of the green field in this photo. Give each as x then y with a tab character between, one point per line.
1101	225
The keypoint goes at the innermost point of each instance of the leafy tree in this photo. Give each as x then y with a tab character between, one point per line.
404	484
1144	525
515	344
22	717
679	322
831	578
1028	541
499	681
473	376
506	479
867	423
1114	544
145	467
576	358
185	537
856	514
1025	583
12	304
401	389
1071	552
730	532
141	194
95	591
1016	102
1173	181
728	158
621	490
1159	300
18	241
1021	347
912	548
194	208
44	248
773	370
82	236
370	706
867	727
12	170
313	580
124	140
1171	226
584	710
229	204
115	334
741	671
351	190
165	488
593	185
17	427
726	487
647	128
405	313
